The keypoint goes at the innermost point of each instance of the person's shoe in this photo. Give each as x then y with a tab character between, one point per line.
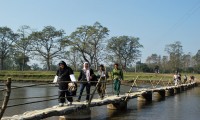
78	100
69	103
61	104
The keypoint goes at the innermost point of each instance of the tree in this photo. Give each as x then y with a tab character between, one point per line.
73	58
175	53
197	61
88	40
186	61
35	67
21	61
154	61
164	65
124	49
197	57
7	37
46	44
23	46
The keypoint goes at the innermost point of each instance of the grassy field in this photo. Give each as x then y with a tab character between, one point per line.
47	76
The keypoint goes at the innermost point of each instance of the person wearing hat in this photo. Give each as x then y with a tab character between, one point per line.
102	75
117	76
64	72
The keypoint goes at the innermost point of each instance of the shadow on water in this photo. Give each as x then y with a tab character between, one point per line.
143	104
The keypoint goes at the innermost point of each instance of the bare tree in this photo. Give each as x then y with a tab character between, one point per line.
73	58
88	40
124	49
46	44
22	46
175	53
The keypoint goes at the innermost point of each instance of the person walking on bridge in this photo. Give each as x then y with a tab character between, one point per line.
102	74
85	76
117	76
63	74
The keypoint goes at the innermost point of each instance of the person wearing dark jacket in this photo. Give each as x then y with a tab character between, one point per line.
63	74
85	77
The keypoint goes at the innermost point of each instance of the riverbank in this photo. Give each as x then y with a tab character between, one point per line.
48	76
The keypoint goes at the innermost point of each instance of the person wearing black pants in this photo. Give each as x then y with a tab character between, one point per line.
63	74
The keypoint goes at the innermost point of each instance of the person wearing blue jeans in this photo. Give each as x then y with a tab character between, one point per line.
82	86
85	76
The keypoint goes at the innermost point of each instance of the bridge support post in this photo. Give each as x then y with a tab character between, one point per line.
82	114
169	92
146	96
182	88
177	90
194	84
185	87
159	95
189	86
118	106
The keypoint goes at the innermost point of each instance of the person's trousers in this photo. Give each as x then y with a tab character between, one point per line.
82	86
64	94
101	88
117	84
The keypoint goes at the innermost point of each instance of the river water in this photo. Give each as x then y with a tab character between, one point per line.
183	106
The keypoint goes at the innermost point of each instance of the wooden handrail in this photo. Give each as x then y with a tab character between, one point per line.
134	83
6	97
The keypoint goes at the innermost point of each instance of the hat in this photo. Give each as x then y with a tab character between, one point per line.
101	65
62	62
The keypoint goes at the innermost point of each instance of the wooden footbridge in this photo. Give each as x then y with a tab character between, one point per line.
112	101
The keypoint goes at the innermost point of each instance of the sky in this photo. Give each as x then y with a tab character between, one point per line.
156	23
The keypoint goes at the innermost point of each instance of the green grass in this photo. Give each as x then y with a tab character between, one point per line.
49	75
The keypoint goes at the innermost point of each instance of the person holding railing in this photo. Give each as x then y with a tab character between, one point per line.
117	75
102	75
85	77
65	75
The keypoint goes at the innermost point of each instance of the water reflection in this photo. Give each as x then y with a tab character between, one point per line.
142	104
178	107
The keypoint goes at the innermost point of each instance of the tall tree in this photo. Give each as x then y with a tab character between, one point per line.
72	56
186	61
154	61
197	57
164	64
197	61
46	44
23	46
21	61
7	37
124	49
88	41
175	52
